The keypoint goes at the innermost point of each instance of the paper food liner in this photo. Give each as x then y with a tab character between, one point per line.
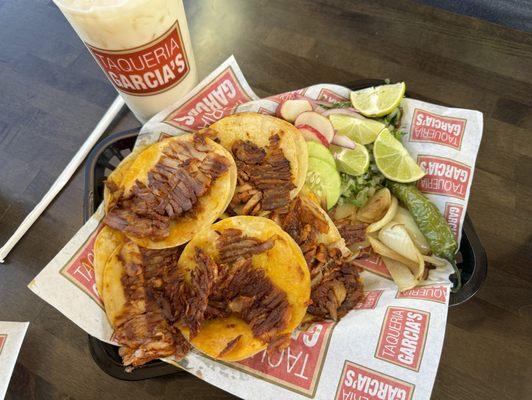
389	346
11	337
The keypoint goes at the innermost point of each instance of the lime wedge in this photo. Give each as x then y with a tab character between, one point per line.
319	151
351	161
361	130
323	179
379	100
393	159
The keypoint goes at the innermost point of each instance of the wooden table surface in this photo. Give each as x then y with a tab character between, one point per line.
52	94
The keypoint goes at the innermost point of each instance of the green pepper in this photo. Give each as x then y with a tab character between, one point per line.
430	222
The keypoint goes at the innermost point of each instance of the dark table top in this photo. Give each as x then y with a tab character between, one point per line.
52	94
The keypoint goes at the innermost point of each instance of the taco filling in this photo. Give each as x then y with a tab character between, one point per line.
141	326
231	287
335	283
264	176
245	287
184	172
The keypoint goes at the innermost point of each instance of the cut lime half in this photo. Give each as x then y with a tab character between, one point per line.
393	159
351	161
361	130
379	100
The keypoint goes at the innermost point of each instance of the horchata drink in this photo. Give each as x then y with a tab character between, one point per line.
143	46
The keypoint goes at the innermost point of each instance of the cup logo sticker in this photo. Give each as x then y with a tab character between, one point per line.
453	214
361	383
3	338
372	262
370	300
330	96
436	293
80	269
403	336
298	367
444	176
213	102
149	69
434	128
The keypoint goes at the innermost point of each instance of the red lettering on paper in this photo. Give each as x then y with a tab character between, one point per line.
403	336
434	128
372	262
213	102
152	68
330	96
453	214
293	95
370	300
298	367
265	111
437	293
361	383
444	176
80	269
3	338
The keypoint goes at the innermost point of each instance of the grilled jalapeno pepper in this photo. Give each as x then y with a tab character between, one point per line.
430	222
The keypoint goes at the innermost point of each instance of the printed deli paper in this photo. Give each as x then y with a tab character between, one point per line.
389	347
11	337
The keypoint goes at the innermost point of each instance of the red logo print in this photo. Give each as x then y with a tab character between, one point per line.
330	96
214	102
370	300
265	111
453	215
437	293
444	176
3	338
298	367
402	338
433	128
80	269
372	262
295	94
361	383
152	68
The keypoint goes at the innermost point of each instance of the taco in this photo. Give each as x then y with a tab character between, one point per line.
111	189
246	288
170	190
335	281
105	244
271	157
133	289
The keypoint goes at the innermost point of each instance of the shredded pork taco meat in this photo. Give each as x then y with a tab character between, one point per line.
232	287
350	231
184	172
143	330
264	176
335	282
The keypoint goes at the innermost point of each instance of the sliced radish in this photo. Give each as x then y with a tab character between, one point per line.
345	111
318	122
311	134
343	141
290	109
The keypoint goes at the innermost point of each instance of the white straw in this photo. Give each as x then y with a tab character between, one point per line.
65	176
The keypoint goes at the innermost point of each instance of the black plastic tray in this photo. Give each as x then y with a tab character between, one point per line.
110	151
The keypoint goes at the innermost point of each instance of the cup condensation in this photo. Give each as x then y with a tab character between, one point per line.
142	45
